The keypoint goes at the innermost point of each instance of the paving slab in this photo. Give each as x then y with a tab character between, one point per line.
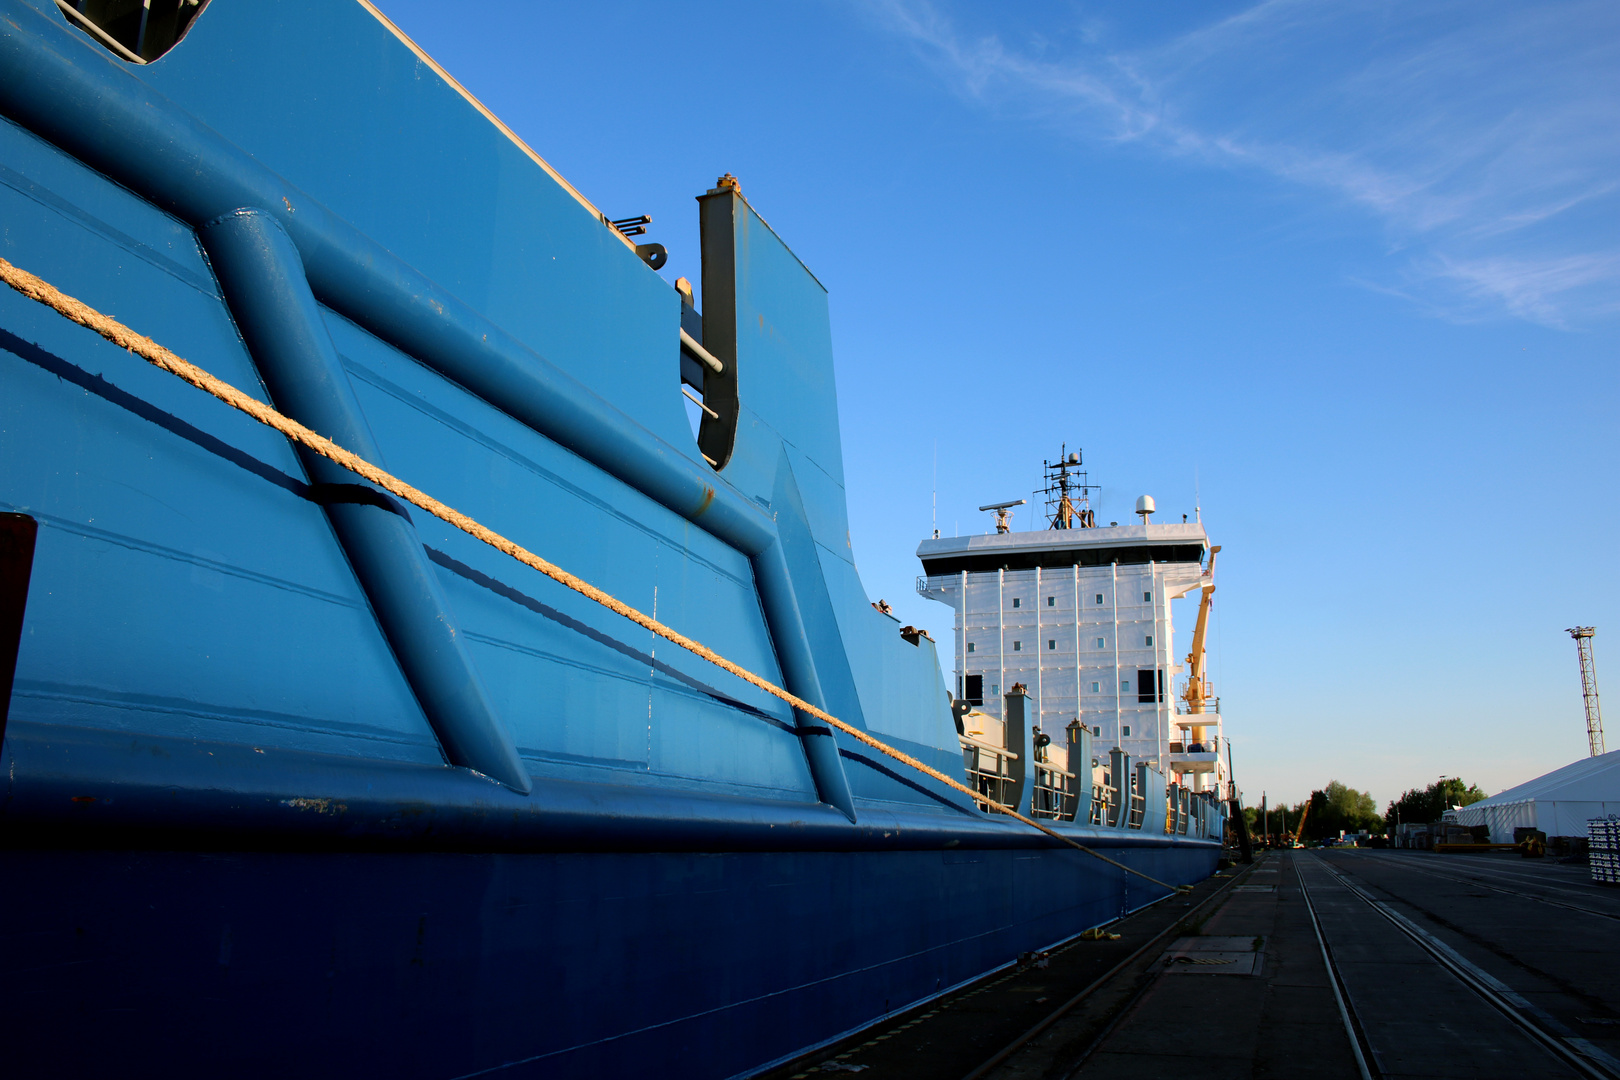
1172	1067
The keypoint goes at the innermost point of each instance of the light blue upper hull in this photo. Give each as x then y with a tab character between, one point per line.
228	648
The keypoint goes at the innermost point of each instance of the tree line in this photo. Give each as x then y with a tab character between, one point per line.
1340	808
1419	807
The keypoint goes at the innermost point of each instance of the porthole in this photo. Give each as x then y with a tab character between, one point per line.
139	31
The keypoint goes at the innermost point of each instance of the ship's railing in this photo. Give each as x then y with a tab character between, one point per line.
1212	707
922	585
1208	746
1052	792
987	769
1101	804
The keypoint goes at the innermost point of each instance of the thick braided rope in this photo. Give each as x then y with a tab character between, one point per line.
37	289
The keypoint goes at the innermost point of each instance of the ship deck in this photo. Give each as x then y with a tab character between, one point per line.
1341	963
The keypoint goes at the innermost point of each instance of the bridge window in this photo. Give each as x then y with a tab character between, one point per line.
1018	646
970	646
1051	643
973	689
1125	732
1015	601
1149	686
1147	641
1147	598
1099	598
1051	601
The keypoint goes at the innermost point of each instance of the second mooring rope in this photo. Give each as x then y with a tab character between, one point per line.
36	288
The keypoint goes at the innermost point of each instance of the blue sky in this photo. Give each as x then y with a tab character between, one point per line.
1347	273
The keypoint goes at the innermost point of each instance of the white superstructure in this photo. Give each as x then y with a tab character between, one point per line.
1081	618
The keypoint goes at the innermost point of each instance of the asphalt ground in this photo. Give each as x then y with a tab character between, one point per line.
1333	964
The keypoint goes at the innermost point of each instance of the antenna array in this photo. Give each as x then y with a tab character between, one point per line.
1068	492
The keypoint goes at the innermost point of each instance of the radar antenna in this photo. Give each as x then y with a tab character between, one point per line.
1068	493
1003	513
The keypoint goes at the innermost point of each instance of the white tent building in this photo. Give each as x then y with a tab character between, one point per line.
1559	803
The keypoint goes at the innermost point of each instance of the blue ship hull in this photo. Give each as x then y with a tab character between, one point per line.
440	964
298	779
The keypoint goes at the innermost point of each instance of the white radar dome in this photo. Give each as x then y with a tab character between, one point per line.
1144	505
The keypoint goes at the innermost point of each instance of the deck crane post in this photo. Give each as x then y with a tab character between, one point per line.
1196	693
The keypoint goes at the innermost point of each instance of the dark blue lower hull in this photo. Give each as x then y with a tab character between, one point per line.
136	963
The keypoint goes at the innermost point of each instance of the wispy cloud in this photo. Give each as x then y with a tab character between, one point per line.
1537	289
1480	136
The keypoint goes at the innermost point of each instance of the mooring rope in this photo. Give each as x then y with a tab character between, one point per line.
36	288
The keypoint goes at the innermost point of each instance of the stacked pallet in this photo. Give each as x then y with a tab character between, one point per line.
1603	849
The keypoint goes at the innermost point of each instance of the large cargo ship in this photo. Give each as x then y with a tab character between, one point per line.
299	779
1077	613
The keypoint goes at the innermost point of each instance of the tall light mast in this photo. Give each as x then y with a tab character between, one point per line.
1589	691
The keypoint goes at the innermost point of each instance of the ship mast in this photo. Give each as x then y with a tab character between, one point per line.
1067	492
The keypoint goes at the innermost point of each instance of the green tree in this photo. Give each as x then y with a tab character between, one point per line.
1349	803
1279	818
1419	806
1334	808
1340	808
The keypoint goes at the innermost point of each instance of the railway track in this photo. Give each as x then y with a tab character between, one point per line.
1571	1050
1492	878
1359	1045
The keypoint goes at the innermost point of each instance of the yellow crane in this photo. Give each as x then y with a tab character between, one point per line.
1197	689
